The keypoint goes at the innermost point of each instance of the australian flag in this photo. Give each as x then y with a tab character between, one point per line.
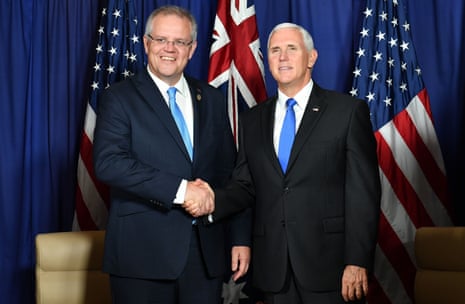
236	61
236	67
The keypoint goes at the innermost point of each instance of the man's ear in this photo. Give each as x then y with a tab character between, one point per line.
312	58
192	50
146	44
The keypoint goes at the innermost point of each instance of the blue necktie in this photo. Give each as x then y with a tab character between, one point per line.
286	138
180	122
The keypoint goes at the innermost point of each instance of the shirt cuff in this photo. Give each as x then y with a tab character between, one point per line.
181	194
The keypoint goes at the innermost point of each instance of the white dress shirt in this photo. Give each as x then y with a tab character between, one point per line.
184	101
302	99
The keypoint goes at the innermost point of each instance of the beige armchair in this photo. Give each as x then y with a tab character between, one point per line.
440	255
68	268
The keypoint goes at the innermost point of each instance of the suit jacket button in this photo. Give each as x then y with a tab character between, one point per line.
286	189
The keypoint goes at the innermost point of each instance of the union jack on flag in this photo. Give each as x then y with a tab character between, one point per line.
119	53
235	57
414	190
236	66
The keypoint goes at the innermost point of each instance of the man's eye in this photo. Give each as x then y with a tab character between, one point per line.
180	42
275	51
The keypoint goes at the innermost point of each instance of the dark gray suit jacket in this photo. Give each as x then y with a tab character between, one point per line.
323	213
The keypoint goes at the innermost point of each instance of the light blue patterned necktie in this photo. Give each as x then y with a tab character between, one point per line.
286	139
180	122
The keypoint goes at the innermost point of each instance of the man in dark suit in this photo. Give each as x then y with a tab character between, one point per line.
155	252
317	204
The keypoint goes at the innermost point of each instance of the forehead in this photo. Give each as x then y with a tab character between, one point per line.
171	25
286	36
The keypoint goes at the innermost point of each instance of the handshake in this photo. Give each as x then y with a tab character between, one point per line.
199	199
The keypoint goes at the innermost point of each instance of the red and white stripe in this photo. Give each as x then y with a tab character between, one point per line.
92	197
414	195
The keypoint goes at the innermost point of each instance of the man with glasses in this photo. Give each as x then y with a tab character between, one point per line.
156	133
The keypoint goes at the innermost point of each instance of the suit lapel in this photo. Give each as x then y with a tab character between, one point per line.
153	97
267	128
196	97
314	110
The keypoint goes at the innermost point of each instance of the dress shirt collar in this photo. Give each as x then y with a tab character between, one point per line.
181	85
301	97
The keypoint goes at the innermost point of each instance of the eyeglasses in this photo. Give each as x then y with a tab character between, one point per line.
163	41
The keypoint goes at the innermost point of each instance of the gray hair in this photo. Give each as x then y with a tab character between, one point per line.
307	38
172	10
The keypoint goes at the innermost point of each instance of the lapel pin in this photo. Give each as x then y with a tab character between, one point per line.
315	109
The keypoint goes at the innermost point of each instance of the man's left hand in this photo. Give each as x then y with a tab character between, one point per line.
354	283
240	260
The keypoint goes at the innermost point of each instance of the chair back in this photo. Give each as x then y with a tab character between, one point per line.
69	268
440	257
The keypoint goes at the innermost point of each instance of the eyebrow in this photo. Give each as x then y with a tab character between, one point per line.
287	46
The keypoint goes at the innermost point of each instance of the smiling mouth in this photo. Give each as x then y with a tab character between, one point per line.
167	58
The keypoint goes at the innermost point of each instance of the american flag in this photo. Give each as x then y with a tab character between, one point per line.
119	53
236	62
414	190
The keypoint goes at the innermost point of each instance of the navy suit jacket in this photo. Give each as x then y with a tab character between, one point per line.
139	153
322	214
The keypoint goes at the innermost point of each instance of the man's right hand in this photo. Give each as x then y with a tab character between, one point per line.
199	199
